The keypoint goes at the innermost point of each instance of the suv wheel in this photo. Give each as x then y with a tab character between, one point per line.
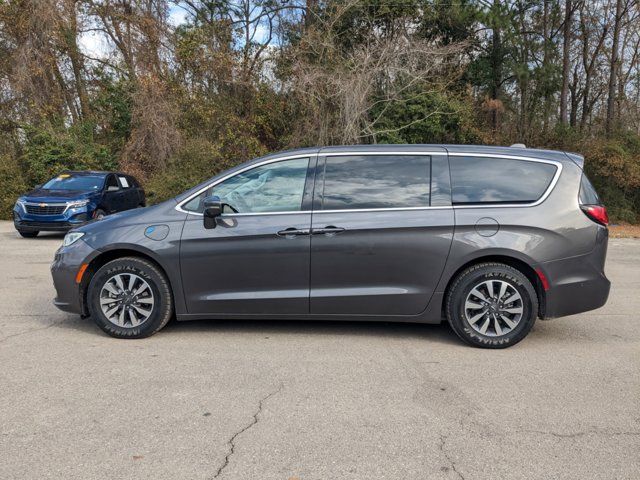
491	305
28	233
130	298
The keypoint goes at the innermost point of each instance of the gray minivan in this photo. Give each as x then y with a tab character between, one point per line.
488	238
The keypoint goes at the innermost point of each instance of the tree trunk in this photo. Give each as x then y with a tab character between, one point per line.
613	71
77	64
565	61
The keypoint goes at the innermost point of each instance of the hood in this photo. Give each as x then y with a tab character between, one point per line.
136	216
45	195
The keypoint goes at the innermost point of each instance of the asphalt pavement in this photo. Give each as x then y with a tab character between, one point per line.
309	400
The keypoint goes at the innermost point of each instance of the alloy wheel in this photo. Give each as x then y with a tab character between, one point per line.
493	308
126	300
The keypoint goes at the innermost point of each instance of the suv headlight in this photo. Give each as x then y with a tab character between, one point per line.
71	238
20	205
77	203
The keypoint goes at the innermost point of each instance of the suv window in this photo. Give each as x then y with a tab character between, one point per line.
588	194
124	183
498	180
112	181
275	187
376	181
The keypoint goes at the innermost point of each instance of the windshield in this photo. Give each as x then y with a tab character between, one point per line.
68	181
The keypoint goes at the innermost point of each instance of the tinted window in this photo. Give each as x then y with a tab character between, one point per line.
275	187
498	180
112	181
588	194
68	181
376	181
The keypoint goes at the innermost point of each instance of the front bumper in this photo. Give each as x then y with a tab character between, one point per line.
71	218
65	266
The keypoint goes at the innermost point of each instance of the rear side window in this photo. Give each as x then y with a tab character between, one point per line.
376	181
588	194
487	180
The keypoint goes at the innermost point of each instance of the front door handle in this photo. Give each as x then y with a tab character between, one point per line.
328	230
293	232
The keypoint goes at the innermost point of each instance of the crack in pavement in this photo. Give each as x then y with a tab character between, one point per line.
580	434
443	441
3	339
254	421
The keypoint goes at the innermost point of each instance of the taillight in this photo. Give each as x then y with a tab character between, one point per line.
597	213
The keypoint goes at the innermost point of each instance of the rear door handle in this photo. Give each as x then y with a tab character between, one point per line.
293	232
328	230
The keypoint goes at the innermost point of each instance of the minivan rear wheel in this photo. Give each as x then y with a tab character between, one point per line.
130	297
491	305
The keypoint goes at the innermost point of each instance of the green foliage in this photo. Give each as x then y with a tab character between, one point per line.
12	182
425	118
47	151
198	160
614	168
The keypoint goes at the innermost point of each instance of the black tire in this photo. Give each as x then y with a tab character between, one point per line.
99	213
161	311
28	233
473	277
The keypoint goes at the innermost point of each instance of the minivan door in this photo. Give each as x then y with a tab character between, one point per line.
381	231
256	260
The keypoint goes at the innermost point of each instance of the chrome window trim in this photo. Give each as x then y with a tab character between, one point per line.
249	167
544	196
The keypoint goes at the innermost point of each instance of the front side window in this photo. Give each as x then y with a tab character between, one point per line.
376	181
485	180
275	187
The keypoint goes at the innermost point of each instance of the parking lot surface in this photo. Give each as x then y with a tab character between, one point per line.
309	400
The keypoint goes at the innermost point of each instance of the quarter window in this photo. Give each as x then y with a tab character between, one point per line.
275	187
376	181
484	180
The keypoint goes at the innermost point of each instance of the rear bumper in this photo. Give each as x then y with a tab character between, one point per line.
577	284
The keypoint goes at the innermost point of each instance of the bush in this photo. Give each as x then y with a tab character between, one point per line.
48	151
13	184
613	167
198	160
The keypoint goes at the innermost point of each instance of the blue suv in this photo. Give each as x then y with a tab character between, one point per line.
74	198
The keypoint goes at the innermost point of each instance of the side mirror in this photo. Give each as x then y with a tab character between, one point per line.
112	188
212	210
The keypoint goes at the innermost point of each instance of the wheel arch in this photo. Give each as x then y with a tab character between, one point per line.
112	254
522	266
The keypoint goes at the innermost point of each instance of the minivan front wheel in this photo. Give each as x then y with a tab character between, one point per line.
130	298
491	305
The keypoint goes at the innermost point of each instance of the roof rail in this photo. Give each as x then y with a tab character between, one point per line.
518	145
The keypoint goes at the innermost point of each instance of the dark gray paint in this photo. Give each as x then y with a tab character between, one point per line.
385	265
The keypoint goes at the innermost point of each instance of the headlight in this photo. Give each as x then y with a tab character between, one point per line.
20	205
77	204
71	238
